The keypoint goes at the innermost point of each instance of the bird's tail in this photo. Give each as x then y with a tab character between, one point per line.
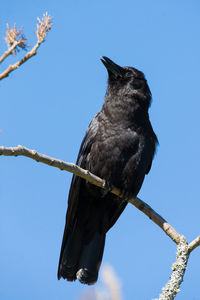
81	259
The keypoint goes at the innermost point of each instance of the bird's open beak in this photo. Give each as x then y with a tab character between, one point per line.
111	67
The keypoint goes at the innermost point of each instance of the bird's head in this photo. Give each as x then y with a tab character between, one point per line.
126	81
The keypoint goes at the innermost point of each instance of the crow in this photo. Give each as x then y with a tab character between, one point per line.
119	146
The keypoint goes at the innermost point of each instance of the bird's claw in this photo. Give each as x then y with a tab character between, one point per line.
107	187
125	195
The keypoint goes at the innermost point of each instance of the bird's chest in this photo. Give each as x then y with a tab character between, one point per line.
114	145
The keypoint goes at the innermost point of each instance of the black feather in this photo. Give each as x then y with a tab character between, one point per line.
118	146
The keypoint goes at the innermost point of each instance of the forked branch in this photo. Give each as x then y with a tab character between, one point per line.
184	250
16	40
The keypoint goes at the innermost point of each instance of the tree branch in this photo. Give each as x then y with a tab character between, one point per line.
9	51
184	250
195	243
171	289
85	174
15	39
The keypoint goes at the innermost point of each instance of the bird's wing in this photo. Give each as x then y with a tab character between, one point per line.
76	181
152	149
81	161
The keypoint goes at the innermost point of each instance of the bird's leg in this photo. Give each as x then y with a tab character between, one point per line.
125	195
107	188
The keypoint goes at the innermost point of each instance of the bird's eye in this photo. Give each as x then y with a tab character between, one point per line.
128	74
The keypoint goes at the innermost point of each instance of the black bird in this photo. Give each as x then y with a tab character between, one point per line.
118	146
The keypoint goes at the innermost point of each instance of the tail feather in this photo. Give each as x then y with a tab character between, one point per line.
81	260
90	259
70	256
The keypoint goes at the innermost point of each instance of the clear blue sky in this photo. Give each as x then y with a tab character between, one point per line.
47	105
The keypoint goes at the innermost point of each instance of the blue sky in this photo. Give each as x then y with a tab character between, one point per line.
47	105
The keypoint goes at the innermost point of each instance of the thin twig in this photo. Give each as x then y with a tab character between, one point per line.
11	68
43	27
195	243
9	51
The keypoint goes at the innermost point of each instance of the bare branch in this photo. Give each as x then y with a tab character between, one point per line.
15	39
172	287
14	35
57	163
195	243
70	167
43	27
9	51
156	218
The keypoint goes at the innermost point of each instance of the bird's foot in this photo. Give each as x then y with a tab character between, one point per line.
107	187
125	195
